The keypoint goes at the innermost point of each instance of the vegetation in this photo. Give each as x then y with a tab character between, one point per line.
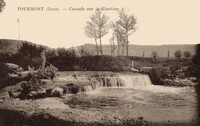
178	54
97	28
70	60
127	24
4	72
2	5
122	28
187	54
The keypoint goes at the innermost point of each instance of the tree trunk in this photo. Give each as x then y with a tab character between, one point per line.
101	46
127	46
97	48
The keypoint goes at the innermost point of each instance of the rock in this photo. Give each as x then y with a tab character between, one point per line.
14	94
57	92
1	101
14	67
39	93
71	88
23	74
32	94
49	92
145	69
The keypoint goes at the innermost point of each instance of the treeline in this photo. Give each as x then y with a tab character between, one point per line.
27	55
64	59
71	60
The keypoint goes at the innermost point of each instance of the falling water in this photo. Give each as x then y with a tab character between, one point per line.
116	80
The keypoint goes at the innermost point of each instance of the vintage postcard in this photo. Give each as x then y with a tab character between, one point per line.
99	63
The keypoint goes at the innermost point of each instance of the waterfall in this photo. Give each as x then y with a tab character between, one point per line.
92	82
135	80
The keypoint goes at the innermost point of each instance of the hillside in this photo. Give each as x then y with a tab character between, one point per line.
10	45
134	50
137	50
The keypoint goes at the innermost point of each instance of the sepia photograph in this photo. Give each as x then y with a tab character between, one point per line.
99	63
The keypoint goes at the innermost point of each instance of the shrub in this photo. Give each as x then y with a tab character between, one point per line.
35	82
4	71
156	74
104	63
47	73
178	54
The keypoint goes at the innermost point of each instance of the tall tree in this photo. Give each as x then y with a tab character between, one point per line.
120	37
128	24
91	32
2	5
99	23
112	45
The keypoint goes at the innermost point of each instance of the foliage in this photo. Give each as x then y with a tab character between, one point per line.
187	54
97	27
104	63
127	24
4	71
156	74
120	36
6	56
46	73
118	121
64	60
35	82
28	55
2	5
178	54
154	55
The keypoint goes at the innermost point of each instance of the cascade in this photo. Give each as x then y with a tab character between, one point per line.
116	80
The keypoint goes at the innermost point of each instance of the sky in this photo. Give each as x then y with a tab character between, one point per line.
158	21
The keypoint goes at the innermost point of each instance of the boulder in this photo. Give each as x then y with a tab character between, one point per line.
14	67
71	88
41	93
32	94
24	74
57	92
14	94
49	92
36	94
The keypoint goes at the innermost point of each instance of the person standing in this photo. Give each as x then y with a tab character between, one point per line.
43	58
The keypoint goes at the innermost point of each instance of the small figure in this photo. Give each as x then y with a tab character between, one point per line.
43	58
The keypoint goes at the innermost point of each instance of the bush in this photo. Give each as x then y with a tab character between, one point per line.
47	73
104	63
4	71
157	74
35	82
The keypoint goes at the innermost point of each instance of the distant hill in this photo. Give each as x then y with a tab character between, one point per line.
137	50
134	50
10	45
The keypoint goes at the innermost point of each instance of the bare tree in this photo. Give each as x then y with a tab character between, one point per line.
127	24
2	5
100	25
